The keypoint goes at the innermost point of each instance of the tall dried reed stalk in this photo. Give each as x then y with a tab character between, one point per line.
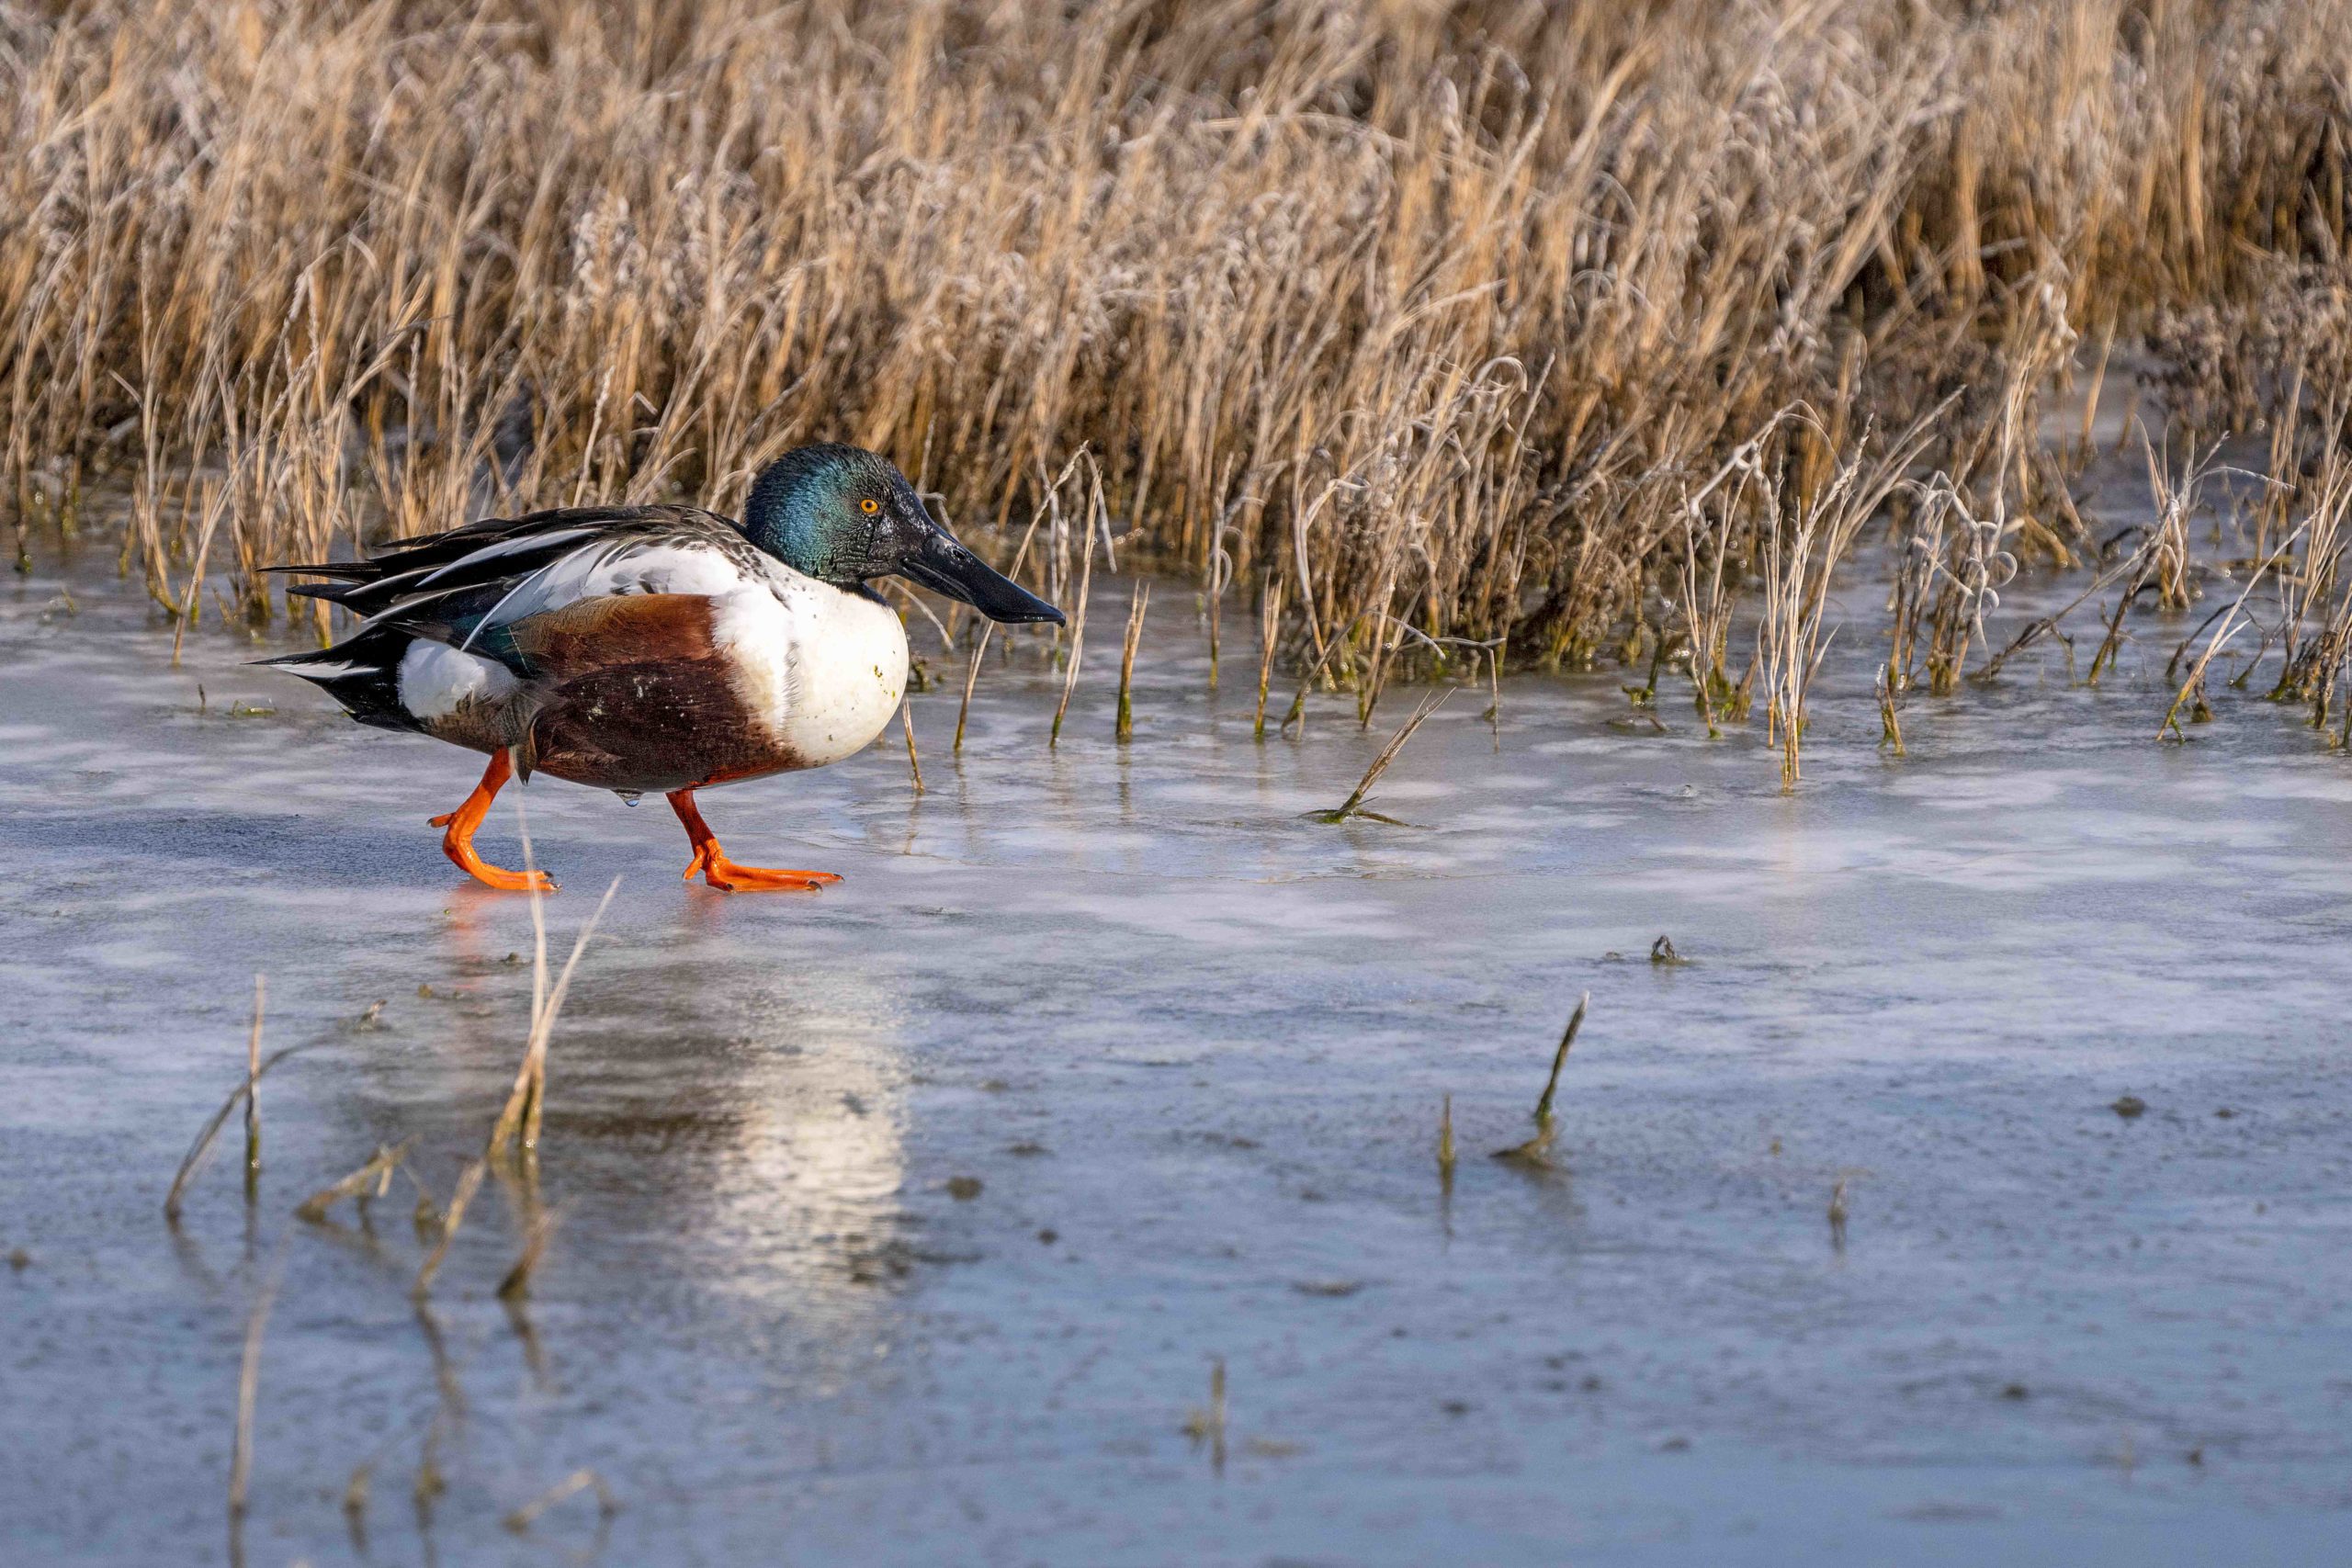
1799	559
1124	727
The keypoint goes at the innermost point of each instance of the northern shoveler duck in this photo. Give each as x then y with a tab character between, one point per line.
644	648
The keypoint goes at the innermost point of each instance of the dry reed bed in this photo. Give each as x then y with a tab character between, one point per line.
1434	324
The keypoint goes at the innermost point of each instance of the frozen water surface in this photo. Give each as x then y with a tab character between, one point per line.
1191	1046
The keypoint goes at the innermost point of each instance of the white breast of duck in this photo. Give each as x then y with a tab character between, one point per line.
821	669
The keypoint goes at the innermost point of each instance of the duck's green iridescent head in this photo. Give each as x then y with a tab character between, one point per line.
842	514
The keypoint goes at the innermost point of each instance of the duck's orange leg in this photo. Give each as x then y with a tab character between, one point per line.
724	873
458	844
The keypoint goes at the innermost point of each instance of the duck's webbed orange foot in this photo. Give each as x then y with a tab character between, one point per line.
712	865
458	842
496	877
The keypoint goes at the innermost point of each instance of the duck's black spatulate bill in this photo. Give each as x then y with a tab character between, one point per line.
945	566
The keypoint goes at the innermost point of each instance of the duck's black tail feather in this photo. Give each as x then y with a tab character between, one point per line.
362	672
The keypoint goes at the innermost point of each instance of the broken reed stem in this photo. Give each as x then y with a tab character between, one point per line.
2110	647
1445	1154
1560	1059
469	1183
547	1020
524	1102
1297	713
971	679
579	1481
1270	625
1353	807
252	1093
376	1173
202	1147
914	763
240	1452
1136	605
1220	571
1388	634
1494	714
1537	1150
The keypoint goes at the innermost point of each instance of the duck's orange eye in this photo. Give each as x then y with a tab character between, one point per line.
869	506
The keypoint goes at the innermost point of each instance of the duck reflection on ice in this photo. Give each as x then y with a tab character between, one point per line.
714	1113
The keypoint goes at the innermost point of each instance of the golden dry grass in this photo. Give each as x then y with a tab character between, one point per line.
1444	314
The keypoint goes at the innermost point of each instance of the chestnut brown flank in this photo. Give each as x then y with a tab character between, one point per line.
638	697
618	628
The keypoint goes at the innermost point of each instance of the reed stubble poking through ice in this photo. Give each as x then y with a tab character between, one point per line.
2195	685
907	723
1270	628
1838	1212
1125	729
1537	1150
257	1066
1354	805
